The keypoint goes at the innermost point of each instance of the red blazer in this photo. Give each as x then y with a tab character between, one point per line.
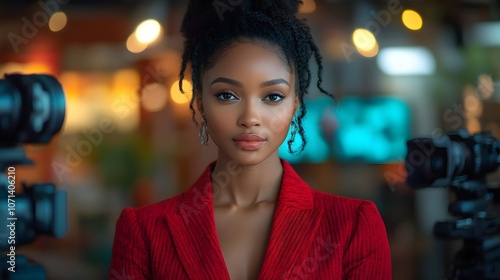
314	235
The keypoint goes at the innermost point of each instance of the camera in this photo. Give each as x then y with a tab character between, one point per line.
461	162
451	159
32	111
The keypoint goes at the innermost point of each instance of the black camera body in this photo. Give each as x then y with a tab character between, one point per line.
451	159
462	162
32	111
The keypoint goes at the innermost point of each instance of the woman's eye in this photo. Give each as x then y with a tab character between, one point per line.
274	97
226	96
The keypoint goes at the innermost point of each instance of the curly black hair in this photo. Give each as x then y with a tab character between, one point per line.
211	27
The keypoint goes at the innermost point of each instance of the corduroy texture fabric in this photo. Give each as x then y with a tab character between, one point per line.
314	235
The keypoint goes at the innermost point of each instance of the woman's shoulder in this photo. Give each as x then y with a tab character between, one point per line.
353	215
342	204
161	208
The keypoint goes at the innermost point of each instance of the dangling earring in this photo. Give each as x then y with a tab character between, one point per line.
203	132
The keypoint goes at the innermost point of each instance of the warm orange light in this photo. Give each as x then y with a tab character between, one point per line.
58	21
369	53
71	83
179	97
365	42
12	67
412	20
134	46
125	82
37	68
473	126
148	31
363	39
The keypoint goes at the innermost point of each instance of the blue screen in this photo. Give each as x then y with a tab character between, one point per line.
372	130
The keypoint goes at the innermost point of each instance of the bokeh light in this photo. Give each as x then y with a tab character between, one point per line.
179	97
134	46
412	20
365	42
58	21
148	31
396	61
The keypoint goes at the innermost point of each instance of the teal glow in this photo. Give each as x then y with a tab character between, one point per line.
317	149
371	130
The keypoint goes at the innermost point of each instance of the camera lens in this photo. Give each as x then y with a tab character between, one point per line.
50	208
438	165
426	163
32	108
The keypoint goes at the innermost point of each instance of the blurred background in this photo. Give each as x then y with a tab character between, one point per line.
399	69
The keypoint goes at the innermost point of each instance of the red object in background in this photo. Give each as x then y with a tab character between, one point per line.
44	51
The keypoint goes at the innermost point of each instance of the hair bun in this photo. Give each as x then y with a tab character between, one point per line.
277	7
198	14
203	15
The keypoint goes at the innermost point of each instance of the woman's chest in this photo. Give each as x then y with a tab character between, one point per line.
243	237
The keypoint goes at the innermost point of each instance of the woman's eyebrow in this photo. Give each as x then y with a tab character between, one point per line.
238	84
274	82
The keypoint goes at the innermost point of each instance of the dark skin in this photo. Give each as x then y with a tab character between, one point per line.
255	95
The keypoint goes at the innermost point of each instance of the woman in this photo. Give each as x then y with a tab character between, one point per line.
249	215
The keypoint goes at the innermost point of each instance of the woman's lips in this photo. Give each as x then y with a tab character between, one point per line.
249	141
249	145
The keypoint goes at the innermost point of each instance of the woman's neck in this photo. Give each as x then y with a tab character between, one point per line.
235	185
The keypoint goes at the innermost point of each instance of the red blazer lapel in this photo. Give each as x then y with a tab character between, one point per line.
295	222
194	233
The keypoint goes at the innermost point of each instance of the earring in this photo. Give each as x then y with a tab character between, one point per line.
203	132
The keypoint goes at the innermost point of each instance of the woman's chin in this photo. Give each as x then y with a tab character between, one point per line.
244	158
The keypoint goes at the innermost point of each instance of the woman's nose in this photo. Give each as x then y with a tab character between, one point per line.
249	116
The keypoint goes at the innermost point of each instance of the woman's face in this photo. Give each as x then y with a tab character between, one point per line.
249	99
